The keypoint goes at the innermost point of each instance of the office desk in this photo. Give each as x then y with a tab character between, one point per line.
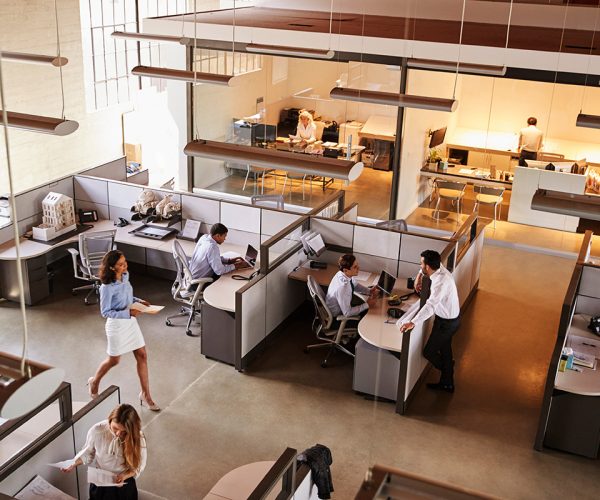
239	483
452	173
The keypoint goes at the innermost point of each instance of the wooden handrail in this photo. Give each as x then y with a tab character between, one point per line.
584	251
285	464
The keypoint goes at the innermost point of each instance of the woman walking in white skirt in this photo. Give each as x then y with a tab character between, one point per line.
122	330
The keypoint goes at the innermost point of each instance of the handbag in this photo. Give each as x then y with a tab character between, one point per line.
331	133
594	325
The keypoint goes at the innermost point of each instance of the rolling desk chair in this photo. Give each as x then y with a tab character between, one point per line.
186	290
324	324
398	224
268	200
92	248
449	190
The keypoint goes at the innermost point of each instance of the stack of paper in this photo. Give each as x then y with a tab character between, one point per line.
138	306
585	351
40	489
584	360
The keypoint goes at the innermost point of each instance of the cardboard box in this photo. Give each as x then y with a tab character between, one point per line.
133	152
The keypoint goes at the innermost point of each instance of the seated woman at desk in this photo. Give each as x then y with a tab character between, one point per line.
340	294
306	128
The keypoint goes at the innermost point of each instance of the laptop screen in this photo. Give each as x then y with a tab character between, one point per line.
251	254
386	282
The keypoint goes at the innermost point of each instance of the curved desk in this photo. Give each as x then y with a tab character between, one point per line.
239	483
388	364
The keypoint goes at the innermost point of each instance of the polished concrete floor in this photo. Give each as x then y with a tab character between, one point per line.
371	190
215	419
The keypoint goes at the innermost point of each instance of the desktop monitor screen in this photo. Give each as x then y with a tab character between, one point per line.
263	133
386	282
437	137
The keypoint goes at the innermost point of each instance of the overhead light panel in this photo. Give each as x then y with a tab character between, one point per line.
40	124
586	206
271	158
146	37
184	75
400	100
477	69
279	50
589	121
34	58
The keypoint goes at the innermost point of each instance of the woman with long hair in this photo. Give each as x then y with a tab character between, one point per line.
116	445
122	330
306	130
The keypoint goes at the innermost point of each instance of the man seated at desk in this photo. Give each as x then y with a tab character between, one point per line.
206	262
306	130
340	294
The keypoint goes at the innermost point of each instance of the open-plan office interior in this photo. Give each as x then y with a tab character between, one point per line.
418	112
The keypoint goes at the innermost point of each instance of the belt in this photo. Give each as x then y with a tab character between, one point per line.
446	319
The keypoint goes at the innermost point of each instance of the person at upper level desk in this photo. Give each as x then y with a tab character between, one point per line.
340	295
306	130
444	304
530	141
206	261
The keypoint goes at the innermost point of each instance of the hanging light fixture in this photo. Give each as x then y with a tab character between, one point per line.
390	99
41	124
37	123
183	75
278	50
271	158
586	206
589	121
34	58
477	69
146	37
583	120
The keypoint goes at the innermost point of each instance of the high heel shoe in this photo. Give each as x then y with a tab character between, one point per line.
144	401
92	394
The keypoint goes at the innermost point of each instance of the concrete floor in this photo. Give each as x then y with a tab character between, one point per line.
215	419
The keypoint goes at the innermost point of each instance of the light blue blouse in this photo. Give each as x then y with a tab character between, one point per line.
116	298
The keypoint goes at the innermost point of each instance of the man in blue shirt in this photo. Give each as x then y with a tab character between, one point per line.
206	262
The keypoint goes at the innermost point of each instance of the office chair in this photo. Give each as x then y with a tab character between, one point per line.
489	196
185	289
398	224
325	325
291	176
86	261
449	190
259	172
268	200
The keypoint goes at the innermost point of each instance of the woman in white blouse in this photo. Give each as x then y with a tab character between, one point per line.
116	445
306	128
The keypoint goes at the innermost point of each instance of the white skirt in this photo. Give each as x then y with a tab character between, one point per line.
124	335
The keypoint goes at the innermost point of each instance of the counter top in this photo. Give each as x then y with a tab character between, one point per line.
453	173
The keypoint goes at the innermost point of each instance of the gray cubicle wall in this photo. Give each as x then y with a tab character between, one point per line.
115	170
588	298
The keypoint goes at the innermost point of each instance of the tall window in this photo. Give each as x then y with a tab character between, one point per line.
226	63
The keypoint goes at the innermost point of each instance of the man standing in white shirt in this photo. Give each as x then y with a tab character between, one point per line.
443	303
206	261
530	141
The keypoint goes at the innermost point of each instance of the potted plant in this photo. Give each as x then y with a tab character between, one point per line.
433	158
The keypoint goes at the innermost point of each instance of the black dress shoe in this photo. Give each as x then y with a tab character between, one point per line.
441	387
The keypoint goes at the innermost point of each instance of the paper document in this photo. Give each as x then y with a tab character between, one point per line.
465	171
40	489
62	465
363	276
584	345
191	229
101	477
138	306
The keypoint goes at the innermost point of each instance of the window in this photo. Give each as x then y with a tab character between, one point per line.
226	63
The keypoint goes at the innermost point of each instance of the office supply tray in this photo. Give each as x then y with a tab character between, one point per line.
153	232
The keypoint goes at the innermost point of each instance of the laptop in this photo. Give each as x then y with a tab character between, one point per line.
386	282
250	257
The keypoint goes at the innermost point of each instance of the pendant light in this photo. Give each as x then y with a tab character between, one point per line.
278	50
346	170
584	120
183	75
390	99
471	68
146	37
34	58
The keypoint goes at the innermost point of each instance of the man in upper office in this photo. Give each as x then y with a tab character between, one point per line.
530	141
443	303
206	262
341	290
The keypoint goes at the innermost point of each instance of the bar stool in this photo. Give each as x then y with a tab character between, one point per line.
449	190
489	196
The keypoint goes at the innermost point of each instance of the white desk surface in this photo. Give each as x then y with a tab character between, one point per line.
586	383
239	483
374	329
379	127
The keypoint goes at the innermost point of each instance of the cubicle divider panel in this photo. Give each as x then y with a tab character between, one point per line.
29	203
588	305
478	244
85	419
123	195
283	295
243	238
274	221
590	282
416	362
60	448
252	321
335	233
412	245
377	242
7	233
90	189
463	274
206	210
351	213
241	217
115	170
376	264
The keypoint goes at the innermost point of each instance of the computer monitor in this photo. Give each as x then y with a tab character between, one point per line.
313	244
437	137
386	282
262	132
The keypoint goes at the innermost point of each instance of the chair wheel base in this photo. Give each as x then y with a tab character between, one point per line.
88	303
190	334
324	364
168	323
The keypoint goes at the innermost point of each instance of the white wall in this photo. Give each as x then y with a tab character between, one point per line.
412	190
29	26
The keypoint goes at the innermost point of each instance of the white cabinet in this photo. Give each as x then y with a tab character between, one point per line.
487	160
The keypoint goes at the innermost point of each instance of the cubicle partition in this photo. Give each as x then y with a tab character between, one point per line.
60	442
570	413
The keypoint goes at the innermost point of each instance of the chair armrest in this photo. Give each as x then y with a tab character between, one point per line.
201	280
74	253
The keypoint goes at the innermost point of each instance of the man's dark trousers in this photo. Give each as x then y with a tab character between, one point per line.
438	350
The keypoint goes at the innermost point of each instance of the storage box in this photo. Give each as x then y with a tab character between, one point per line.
350	128
133	152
